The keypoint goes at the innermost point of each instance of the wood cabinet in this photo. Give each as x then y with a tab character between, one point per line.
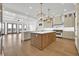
41	41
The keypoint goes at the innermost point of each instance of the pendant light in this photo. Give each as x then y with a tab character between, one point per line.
48	18
41	14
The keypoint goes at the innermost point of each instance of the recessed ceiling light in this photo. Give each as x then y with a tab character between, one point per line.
30	7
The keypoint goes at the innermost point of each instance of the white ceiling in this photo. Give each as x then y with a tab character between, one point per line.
32	9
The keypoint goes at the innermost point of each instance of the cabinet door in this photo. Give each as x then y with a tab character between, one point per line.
52	37
33	39
45	40
36	40
39	41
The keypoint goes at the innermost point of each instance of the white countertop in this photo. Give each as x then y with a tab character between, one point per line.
42	32
70	29
46	30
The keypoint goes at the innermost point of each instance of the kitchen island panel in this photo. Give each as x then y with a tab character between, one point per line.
41	41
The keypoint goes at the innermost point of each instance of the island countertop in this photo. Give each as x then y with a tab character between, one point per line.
42	32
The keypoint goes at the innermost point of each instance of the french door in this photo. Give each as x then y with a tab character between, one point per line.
20	28
14	28
9	28
25	27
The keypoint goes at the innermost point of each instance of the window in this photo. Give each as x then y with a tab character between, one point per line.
25	27
20	28
14	28
9	28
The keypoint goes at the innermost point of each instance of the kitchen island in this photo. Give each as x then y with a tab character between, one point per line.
42	39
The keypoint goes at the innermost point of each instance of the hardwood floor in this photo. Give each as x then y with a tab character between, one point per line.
13	46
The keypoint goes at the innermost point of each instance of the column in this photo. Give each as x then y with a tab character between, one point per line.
5	27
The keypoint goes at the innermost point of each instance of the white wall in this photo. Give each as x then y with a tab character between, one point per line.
77	27
69	22
57	20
